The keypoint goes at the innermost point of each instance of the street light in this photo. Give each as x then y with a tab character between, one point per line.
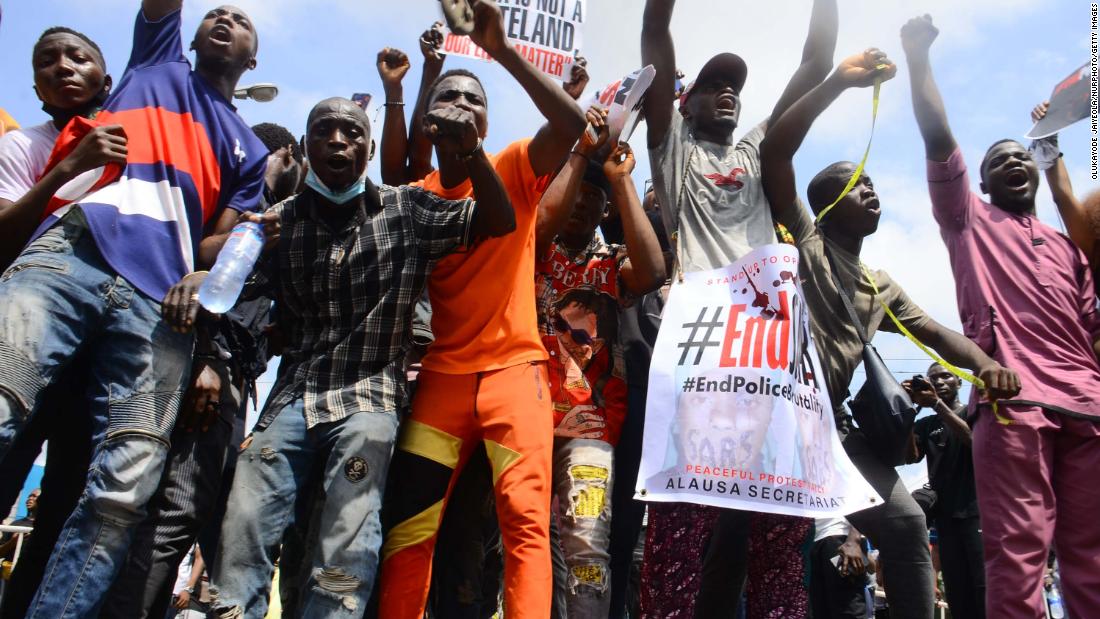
261	93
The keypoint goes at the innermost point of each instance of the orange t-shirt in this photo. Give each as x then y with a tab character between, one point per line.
483	300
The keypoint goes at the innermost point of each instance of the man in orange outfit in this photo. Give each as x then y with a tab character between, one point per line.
484	378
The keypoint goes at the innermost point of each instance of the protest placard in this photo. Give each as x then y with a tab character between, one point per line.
623	101
545	32
1069	103
738	414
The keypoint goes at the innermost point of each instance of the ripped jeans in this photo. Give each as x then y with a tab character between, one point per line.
60	298
354	453
582	485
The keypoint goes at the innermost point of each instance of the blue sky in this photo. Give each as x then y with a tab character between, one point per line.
994	60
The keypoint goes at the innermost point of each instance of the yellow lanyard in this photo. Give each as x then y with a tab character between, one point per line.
867	151
957	371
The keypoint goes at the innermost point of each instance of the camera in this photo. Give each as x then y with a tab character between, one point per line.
920	383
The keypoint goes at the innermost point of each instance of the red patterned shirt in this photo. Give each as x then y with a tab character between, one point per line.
579	297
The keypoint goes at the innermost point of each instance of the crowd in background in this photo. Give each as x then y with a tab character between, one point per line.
464	346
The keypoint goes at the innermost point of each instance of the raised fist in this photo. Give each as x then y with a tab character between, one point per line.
917	34
431	43
452	130
393	64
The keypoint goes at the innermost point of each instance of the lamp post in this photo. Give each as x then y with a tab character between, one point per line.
261	93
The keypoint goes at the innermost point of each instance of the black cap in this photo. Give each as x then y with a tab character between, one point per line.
725	65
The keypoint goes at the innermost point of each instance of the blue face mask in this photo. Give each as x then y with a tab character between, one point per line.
337	197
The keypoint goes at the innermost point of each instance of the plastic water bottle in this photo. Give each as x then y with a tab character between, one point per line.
1054	599
220	289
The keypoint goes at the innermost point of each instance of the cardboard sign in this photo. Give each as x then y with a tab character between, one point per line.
545	32
1069	103
623	100
738	414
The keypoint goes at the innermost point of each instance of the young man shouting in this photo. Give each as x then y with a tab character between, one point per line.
1026	297
484	378
348	266
829	254
92	279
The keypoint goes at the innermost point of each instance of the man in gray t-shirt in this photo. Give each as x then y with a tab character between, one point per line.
709	188
711	193
707	184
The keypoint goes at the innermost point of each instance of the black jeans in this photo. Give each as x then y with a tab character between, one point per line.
64	421
833	596
183	505
898	529
963	565
725	566
627	513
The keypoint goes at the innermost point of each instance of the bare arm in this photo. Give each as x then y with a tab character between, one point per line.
1000	382
1073	213
494	215
393	64
19	219
817	55
565	120
787	131
556	204
644	270
927	398
454	133
212	243
659	51
955	424
154	10
917	36
419	147
197	568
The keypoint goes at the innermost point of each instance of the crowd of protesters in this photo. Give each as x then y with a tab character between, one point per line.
464	347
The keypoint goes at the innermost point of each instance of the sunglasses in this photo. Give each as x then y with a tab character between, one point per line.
579	336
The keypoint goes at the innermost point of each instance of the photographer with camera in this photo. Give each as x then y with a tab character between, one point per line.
945	439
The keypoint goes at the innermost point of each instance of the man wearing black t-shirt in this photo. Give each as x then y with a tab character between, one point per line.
945	439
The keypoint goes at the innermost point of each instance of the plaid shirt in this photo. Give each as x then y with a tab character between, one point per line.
345	297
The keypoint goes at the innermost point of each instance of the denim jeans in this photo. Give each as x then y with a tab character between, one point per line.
183	504
270	473
582	484
60	298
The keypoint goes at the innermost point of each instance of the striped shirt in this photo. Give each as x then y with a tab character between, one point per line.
189	156
345	297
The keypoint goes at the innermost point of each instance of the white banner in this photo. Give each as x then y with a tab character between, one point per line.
545	32
738	414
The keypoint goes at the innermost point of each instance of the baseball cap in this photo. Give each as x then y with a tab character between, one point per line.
725	65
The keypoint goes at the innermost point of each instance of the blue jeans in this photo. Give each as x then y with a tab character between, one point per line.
355	455
60	298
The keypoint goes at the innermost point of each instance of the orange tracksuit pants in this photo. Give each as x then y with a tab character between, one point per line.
508	409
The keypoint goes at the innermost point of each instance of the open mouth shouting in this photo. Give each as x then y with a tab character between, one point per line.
221	35
1017	179
872	205
338	162
726	103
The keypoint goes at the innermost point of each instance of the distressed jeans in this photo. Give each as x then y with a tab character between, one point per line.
184	503
60	298
582	484
355	452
